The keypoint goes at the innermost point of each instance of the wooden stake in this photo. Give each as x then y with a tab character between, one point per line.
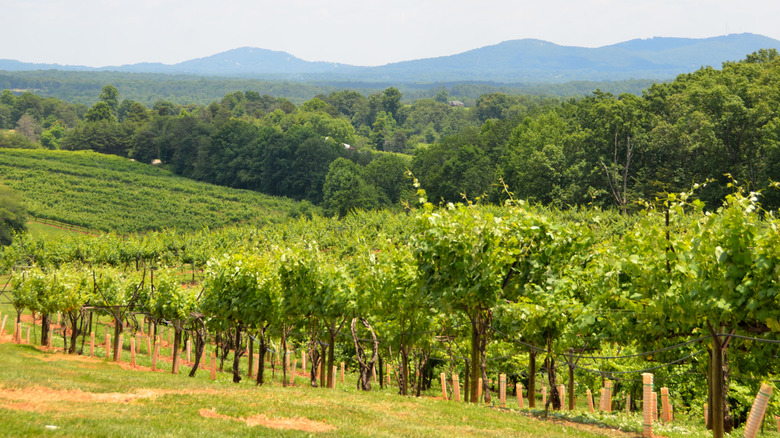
628	403
92	344
303	360
647	402
156	353
444	386
119	346
456	387
108	345
149	344
2	327
132	351
758	410
189	351
665	416
28	335
519	391
18	333
706	415
479	390
608	396
213	366
342	372
590	400
333	381
292	373
544	395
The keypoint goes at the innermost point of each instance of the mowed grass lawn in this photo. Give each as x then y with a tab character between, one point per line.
52	393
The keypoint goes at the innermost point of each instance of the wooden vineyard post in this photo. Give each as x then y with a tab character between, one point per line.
342	372
213	366
108	345
18	333
49	339
142	326
303	360
189	351
92	344
28	335
373	373
608	396
665	416
286	359
156	354
544	395
132	351
119	351
590	400
2	327
647	404
333	380
149	344
706	415
628	403
502	390
456	387
519	391
292	372
444	386
562	395
758	410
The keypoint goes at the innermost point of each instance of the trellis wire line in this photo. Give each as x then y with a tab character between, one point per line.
639	371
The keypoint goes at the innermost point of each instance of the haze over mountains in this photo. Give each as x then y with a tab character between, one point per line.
526	60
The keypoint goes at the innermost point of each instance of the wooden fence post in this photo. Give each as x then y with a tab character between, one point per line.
544	395
213	366
706	415
303	360
456	387
108	345
444	386
757	411
342	372
590	400
479	390
519	391
2	327
647	402
608	395
28	334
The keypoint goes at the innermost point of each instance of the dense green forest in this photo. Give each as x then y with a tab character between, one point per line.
148	88
345	150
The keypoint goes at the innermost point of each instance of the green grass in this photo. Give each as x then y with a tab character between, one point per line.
44	231
110	193
84	396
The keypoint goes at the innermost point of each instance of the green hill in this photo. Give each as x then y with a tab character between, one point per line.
110	193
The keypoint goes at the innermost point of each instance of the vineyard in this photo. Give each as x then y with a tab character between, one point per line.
108	193
563	310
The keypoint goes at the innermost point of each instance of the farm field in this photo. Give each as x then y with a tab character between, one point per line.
110	193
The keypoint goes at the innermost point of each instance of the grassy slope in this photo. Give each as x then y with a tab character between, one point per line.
75	394
115	194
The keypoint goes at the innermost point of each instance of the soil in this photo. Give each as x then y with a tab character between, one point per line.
302	424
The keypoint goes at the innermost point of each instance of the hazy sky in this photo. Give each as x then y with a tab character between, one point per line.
364	32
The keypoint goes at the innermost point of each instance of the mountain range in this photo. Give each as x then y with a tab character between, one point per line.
516	61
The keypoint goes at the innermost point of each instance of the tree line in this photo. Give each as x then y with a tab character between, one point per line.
345	150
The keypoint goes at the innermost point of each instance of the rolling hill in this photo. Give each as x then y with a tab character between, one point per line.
109	193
